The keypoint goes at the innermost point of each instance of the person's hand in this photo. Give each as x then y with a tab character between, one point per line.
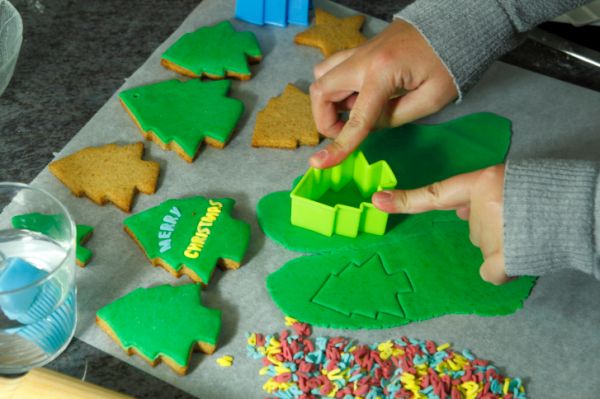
477	197
393	79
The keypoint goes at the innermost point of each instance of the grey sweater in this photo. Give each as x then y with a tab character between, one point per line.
550	206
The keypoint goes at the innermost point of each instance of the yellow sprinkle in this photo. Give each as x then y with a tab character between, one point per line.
506	385
274	361
263	371
282	370
225	361
385	346
352	349
333	391
290	321
252	339
397	352
272	386
522	388
443	347
261	350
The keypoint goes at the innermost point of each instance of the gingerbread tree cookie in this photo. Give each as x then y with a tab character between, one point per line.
162	323
216	52
332	34
179	116
49	225
111	173
191	236
286	121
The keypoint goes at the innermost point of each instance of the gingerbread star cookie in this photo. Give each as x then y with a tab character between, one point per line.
216	52
332	34
162	323
286	121
180	116
111	173
191	236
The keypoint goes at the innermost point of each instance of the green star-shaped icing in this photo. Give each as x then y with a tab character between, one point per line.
181	115
215	51
190	235
431	249
367	289
163	321
50	225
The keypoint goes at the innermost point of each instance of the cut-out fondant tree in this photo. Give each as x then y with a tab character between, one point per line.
366	290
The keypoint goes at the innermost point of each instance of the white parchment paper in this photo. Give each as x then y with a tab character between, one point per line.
552	343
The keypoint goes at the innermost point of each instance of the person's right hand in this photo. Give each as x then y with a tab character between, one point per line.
476	197
393	79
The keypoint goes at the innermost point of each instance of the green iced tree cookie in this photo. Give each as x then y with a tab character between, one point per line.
162	323
423	267
216	51
179	116
191	236
49	225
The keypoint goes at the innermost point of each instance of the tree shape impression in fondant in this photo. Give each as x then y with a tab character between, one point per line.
179	116
216	51
430	266
191	236
109	173
50	225
332	34
349	293
162	323
286	121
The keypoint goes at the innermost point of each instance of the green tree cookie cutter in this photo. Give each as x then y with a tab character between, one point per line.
337	200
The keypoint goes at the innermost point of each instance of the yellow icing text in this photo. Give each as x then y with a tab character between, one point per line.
203	230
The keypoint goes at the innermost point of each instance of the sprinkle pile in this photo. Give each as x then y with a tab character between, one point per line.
305	368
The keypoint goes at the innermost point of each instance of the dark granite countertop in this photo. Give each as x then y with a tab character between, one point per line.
75	54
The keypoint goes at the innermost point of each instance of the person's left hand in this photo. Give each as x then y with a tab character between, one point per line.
476	197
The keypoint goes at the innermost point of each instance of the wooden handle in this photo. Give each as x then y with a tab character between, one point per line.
48	384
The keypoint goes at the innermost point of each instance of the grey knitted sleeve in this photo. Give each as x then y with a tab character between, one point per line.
551	215
468	35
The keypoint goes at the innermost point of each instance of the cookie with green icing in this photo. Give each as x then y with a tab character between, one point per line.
50	226
216	51
191	236
179	116
162	323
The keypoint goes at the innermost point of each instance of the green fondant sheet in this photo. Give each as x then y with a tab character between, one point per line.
432	248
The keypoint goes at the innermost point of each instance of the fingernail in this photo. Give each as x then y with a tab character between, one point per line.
384	197
319	157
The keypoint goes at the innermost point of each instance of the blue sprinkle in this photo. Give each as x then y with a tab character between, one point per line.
467	353
428	389
495	386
